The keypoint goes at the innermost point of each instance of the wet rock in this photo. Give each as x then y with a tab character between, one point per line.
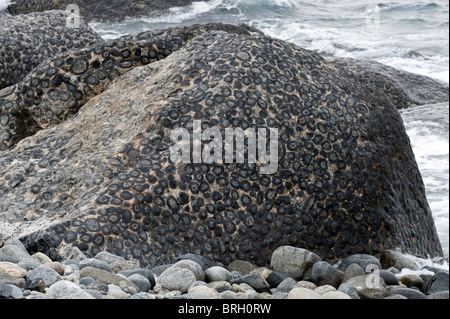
325	274
369	286
368	263
438	283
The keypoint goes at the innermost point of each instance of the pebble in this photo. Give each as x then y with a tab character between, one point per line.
325	274
220	286
12	269
142	282
324	289
41	258
97	263
175	278
42	273
294	262
218	273
242	266
275	278
369	286
353	270
439	282
368	263
67	290
412	280
287	285
335	295
193	266
388	277
107	276
9	291
254	280
303	293
409	293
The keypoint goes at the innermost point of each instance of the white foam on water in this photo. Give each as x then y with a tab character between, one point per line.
4	4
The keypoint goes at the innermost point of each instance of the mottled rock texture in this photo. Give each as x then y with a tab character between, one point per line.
100	177
28	39
100	10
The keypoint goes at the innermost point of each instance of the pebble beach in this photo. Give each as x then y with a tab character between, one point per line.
293	273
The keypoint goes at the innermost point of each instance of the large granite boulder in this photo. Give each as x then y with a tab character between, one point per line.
345	179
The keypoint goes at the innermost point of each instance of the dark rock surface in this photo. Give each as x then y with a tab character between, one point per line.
347	181
100	10
27	40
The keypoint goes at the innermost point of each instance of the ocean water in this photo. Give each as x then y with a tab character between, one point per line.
411	35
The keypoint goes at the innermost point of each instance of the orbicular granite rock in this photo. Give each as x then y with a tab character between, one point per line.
99	10
27	40
345	179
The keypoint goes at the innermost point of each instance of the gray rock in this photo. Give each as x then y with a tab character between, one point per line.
407	292
275	278
204	262
303	293
242	266
101	287
158	270
147	273
349	290
294	262
217	273
94	293
235	274
192	266
74	253
28	263
67	290
106	277
412	280
439	282
393	270
426	279
15	242
287	285
93	262
7	278
335	295
13	253
325	274
175	278
439	295
388	277
353	270
9	291
368	263
255	280
86	281
279	295
142	282
369	286
220	286
108	257
398	260
48	275
396	297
